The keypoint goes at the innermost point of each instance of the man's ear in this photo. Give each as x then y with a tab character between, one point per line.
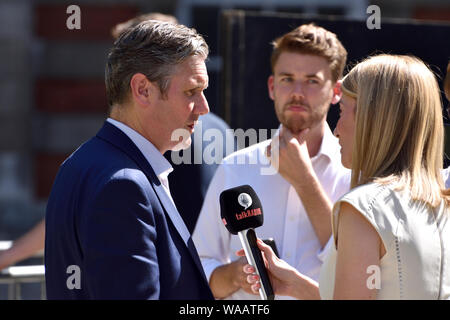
270	81
141	89
337	92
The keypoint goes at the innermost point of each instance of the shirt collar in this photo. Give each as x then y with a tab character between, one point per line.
330	145
160	165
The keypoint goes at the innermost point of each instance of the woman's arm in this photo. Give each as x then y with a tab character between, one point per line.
359	252
359	247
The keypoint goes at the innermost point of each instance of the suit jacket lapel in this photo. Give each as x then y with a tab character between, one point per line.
115	136
172	212
179	224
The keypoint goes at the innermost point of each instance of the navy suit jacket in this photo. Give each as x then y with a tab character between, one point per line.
109	216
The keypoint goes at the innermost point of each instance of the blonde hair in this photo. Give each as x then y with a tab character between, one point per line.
399	132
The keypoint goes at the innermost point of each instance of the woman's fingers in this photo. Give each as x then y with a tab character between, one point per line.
252	278
268	252
256	287
249	269
240	253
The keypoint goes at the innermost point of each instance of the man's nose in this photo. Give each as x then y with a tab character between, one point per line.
298	90
202	105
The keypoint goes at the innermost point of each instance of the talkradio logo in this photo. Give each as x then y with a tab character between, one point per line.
245	200
248	213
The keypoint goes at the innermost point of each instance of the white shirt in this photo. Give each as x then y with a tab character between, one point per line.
446	177
160	165
285	219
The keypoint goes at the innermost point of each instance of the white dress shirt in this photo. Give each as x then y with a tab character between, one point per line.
446	177
285	218
160	165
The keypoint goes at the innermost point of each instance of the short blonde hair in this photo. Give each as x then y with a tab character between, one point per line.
399	132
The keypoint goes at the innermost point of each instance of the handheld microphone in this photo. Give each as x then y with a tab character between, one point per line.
241	212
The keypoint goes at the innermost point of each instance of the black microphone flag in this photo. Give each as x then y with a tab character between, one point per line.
240	209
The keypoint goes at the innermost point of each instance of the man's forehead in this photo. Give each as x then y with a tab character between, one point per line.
195	63
299	63
199	80
193	71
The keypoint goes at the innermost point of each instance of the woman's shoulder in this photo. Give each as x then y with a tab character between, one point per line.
368	192
376	202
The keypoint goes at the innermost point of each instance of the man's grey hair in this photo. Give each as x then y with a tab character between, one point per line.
153	48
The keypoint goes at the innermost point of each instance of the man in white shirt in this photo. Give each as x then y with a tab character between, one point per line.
297	201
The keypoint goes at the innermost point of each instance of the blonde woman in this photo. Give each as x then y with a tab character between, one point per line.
392	230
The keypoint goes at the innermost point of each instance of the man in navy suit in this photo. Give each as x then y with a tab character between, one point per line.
112	229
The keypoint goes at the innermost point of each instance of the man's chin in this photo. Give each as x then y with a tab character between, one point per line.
295	128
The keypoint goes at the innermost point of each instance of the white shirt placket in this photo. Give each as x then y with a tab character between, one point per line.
291	227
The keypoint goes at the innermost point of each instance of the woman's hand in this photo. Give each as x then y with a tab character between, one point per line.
283	277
